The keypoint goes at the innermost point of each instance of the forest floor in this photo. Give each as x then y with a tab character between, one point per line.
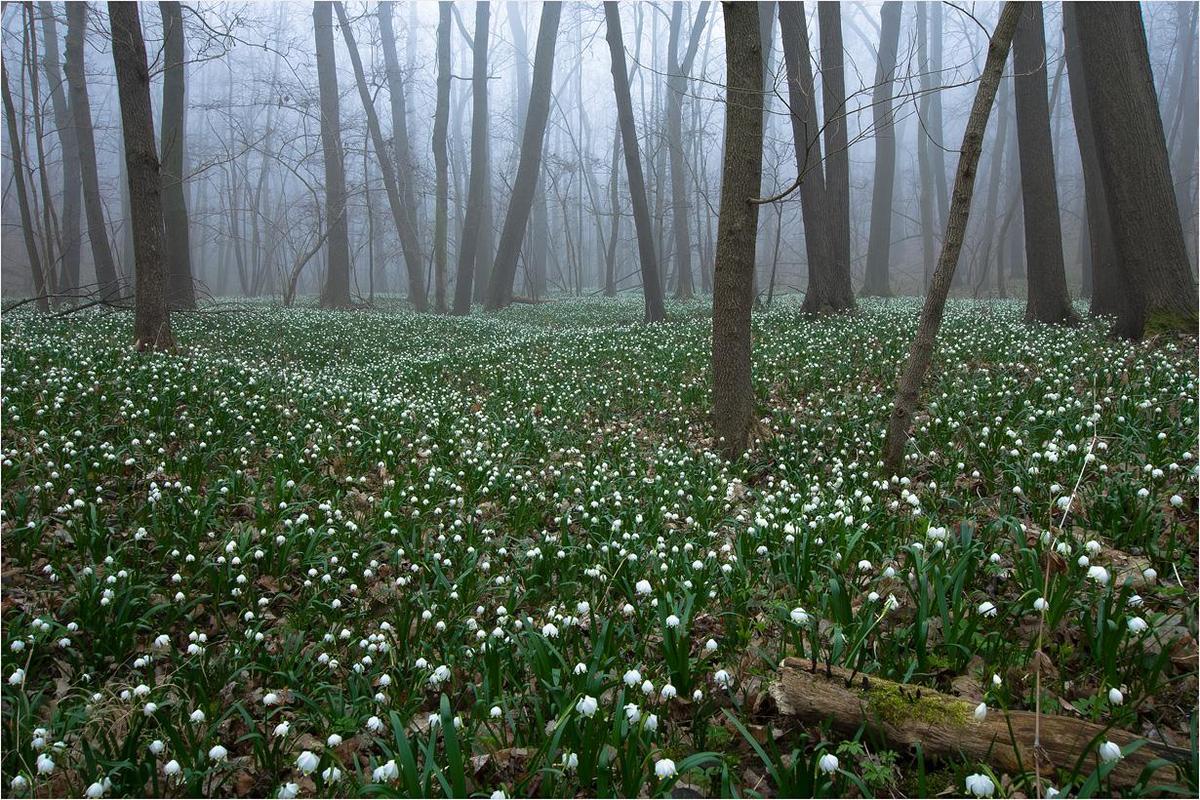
377	553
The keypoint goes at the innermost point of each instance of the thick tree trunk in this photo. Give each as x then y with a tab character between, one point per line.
529	167
336	291
152	316
18	173
908	385
81	113
880	243
69	141
181	292
677	85
737	230
837	149
472	235
651	285
402	214
441	158
1047	299
1135	171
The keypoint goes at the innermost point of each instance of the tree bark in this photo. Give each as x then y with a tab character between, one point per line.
651	285
529	167
879	246
69	141
909	382
336	291
1047	299
737	230
837	148
181	291
402	215
472	234
152	316
1147	235
18	173
441	158
936	147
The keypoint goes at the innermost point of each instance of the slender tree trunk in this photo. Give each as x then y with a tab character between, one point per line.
651	285
402	214
614	204
1134	165
925	188
152	316
1047	297
50	230
181	292
336	292
18	173
737	230
469	247
837	149
879	247
69	141
441	157
530	165
677	85
995	179
937	129
908	385
1185	132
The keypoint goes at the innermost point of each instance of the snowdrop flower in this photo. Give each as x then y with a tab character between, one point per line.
288	791
1040	604
570	762
95	790
664	768
981	712
549	630
45	764
1110	751
632	713
799	616
307	761
282	729
218	753
16	679
652	722
1099	575
157	746
643	587
498	795
647	687
632	677
980	785
864	566
587	706
331	774
496	712
996	679
672	621
387	772
711	645
333	741
375	725
172	768
987	608
18	784
1176	500
270	699
1115	697
581	668
667	692
1136	625
197	716
828	763
1150	573
722	679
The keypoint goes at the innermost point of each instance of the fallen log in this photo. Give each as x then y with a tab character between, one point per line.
944	725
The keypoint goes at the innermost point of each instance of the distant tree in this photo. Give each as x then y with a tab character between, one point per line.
677	84
530	164
336	291
651	283
477	192
152	316
837	146
1132	152
879	247
181	292
441	158
737	230
36	267
1047	297
69	143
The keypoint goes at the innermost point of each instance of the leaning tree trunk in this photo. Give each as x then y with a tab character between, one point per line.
69	142
529	167
402	215
336	291
737	230
1132	152
181	292
472	233
909	383
18	161
651	285
441	158
81	112
151	316
1108	293
1047	296
879	245
837	151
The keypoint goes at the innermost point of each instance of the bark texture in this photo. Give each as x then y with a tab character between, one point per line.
336	291
472	236
69	141
181	291
837	149
879	247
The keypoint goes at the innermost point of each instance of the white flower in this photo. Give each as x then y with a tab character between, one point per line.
45	764
980	785
307	761
828	763
331	774
387	772
587	706
17	678
19	784
799	616
549	630
333	741
1136	625
987	608
632	713
1110	751
667	692
722	679
197	716
157	746
498	795
664	768
570	762
375	725
270	699
981	712
643	587
672	621
711	645
1040	604
95	790
282	729
632	677
1099	575
864	566
288	791
651	722
218	753
1115	697
581	668
172	768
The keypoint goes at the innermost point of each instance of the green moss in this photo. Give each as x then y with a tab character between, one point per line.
1160	322
895	705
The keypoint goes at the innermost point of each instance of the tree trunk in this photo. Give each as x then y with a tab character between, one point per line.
402	214
677	85
152	316
472	234
18	173
925	188
837	149
651	285
336	291
614	205
936	128
879	246
909	383
995	179
1134	166
441	158
181	292
81	113
69	142
529	167
737	230
1047	299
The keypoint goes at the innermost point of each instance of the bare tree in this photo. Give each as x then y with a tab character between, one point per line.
181	292
336	291
737	230
837	147
677	85
879	248
477	193
40	288
152	316
69	141
441	158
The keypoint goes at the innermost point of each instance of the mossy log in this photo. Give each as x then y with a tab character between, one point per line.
944	725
